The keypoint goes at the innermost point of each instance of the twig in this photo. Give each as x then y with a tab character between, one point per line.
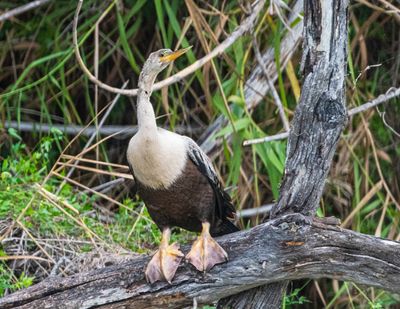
73	129
22	9
278	101
364	71
81	154
55	198
390	94
23	257
98	171
104	187
245	26
382	115
266	139
97	162
251	212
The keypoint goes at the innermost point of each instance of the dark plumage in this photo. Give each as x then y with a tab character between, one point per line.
191	200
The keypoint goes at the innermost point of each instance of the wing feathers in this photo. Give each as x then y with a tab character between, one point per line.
203	163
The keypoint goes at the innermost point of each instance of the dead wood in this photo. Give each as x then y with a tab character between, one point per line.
318	122
287	248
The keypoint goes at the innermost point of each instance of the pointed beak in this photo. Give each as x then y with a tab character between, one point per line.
175	55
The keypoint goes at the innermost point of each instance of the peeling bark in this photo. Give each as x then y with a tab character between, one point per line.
296	247
321	114
318	122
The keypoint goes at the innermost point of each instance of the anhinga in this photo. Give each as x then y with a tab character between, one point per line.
177	182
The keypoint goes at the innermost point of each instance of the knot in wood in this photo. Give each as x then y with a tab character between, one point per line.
330	112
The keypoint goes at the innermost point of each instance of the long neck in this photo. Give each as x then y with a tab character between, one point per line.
145	112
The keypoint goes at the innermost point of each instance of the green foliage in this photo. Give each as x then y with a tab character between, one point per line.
21	172
294	298
10	282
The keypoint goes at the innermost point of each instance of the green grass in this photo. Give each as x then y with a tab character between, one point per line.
19	174
17	188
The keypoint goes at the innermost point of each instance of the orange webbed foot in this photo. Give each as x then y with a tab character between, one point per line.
206	252
165	262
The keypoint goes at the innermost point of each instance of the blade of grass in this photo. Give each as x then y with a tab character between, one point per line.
124	42
97	171
377	187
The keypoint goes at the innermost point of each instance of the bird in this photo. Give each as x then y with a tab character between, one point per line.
178	184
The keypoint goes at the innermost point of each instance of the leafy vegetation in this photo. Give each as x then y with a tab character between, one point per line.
47	214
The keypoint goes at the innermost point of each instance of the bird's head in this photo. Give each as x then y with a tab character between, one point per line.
160	59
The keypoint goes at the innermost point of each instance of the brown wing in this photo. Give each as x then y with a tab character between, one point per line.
224	207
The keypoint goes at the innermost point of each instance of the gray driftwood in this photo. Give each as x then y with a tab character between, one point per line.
290	247
315	130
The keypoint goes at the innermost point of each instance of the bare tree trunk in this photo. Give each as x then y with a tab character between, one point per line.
259	297
315	130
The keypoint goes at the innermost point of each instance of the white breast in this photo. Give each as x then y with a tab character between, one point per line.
157	160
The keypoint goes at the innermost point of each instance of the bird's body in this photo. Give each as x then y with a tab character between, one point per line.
173	188
185	203
178	184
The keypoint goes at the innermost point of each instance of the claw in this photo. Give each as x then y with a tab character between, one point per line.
206	252
165	262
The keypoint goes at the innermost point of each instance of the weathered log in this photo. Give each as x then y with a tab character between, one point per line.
287	248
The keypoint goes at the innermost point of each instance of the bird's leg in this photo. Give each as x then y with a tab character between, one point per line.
206	252
165	262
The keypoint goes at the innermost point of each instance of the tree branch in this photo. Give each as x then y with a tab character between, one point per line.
73	129
383	98
22	9
296	247
245	26
390	94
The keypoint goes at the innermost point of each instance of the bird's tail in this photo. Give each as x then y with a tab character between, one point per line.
223	227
